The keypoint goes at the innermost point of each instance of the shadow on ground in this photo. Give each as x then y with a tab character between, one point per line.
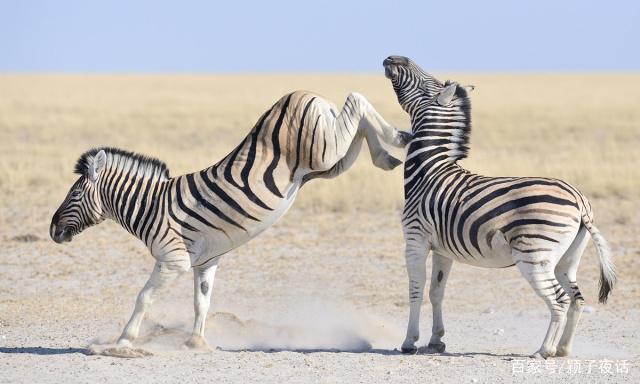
44	350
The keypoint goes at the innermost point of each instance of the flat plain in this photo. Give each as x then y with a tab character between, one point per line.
321	296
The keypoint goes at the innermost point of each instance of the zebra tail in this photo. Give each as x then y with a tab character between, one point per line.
607	269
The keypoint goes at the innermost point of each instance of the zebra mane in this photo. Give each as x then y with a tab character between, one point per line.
462	103
150	163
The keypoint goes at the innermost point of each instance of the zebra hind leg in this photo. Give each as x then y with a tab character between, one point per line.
439	274
538	270
202	287
163	274
566	272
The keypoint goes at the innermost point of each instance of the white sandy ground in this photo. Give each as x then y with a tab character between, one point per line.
317	298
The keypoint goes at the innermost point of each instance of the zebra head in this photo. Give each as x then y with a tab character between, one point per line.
415	88
82	207
412	85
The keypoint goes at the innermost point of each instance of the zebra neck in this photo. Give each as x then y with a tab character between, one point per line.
134	201
440	136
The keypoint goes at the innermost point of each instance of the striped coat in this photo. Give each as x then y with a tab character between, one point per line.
191	220
539	225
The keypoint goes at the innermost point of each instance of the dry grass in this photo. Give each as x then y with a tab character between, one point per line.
581	128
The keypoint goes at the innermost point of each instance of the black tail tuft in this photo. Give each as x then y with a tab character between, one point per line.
605	288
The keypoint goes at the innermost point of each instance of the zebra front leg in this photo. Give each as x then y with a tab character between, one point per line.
344	134
379	156
374	127
538	270
416	258
202	287
379	126
357	118
439	274
163	273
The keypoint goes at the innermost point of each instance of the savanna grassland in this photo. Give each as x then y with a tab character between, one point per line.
330	275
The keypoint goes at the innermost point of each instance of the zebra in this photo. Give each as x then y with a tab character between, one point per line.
190	221
539	225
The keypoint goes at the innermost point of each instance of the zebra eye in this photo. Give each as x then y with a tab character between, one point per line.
76	193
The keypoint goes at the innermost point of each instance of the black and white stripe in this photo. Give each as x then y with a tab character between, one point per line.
193	219
536	224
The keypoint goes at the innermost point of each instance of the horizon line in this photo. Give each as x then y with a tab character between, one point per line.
313	73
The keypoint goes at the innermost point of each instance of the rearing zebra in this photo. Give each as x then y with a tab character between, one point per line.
539	225
193	219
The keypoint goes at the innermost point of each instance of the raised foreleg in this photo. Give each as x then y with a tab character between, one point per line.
336	141
377	125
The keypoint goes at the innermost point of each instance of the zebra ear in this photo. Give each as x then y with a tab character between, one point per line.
97	165
447	94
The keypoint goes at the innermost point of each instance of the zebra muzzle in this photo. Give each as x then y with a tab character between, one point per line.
60	235
390	65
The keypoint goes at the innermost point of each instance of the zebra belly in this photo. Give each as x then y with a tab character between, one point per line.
211	244
497	256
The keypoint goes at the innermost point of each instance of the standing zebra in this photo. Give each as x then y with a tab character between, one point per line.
190	221
539	225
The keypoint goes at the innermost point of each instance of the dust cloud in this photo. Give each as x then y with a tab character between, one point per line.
316	326
312	326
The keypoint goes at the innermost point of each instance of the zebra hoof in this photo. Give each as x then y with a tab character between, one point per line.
412	350
124	343
393	162
436	347
563	352
196	342
544	354
385	161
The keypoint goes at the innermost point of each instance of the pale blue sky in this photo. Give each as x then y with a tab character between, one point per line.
317	36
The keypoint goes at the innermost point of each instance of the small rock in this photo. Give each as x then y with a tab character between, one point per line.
489	310
588	309
499	332
474	380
